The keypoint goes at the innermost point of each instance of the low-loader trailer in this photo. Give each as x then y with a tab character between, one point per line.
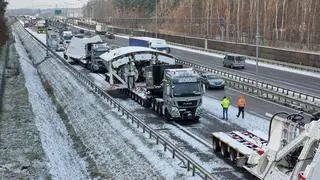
170	90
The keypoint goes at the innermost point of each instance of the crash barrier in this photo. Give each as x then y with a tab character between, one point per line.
3	61
167	145
294	99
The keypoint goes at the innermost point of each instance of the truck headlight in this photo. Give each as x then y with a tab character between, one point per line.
175	112
199	111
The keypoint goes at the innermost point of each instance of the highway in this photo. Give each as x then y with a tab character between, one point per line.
210	122
256	105
299	82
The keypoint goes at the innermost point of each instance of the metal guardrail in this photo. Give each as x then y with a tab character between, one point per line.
176	152
278	94
293	98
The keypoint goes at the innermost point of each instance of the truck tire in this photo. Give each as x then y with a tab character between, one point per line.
215	145
233	155
224	150
153	105
167	115
160	109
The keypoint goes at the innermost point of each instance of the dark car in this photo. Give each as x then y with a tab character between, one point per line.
109	35
212	81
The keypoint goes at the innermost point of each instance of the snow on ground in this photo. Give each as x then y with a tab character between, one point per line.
21	152
117	148
200	153
41	37
64	162
250	122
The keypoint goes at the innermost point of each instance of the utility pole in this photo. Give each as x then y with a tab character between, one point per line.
257	41
191	16
157	19
47	37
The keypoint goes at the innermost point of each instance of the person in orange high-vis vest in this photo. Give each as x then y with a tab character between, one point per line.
241	105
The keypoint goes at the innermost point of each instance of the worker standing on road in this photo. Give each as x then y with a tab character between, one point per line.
225	103
241	105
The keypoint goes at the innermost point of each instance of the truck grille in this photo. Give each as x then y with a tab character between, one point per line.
187	103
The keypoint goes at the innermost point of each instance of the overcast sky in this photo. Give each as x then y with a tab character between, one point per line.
16	4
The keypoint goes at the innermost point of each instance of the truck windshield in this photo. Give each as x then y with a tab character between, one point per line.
186	89
67	37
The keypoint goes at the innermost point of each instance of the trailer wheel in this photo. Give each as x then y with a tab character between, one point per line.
233	155
224	150
161	110
153	105
215	145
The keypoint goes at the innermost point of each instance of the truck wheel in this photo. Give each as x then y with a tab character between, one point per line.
160	109
215	145
153	105
224	150
233	155
168	116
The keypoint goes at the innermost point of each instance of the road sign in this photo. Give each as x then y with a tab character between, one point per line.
58	12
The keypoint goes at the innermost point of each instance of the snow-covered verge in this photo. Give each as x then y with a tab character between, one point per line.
21	152
63	160
119	150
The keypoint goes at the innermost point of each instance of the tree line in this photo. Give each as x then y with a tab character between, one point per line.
282	23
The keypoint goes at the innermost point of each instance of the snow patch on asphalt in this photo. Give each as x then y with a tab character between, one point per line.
64	162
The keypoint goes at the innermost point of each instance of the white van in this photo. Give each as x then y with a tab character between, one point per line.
234	61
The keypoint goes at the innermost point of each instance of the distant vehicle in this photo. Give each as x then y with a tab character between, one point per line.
87	51
79	35
154	43
60	47
109	35
92	61
67	35
100	29
234	61
27	24
212	81
40	27
66	43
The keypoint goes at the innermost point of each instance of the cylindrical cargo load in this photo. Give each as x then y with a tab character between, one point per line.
124	72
